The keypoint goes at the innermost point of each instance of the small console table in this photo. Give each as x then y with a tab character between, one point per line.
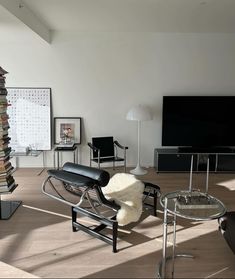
60	150
193	205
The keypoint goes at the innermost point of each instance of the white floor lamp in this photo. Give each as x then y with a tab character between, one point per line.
139	113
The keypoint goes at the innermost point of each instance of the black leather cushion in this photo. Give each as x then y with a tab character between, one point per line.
71	178
99	177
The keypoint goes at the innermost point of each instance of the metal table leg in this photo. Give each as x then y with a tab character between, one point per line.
164	241
58	160
161	270
43	163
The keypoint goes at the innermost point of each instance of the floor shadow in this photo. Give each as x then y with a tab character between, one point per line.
146	266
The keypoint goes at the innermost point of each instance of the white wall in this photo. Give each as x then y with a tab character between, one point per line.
99	76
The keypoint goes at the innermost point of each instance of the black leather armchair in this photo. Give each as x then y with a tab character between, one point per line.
105	150
227	228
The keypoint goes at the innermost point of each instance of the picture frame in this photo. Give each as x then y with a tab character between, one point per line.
67	129
31	110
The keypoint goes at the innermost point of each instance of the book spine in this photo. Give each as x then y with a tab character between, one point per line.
7	181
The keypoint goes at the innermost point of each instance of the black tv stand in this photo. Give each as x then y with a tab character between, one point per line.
179	159
205	150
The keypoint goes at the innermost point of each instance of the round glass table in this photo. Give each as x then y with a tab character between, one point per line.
192	205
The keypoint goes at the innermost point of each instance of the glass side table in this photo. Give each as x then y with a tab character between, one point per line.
192	205
32	153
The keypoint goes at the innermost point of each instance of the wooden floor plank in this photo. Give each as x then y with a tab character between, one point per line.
38	238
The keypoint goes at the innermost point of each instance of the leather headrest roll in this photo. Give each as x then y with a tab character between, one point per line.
100	176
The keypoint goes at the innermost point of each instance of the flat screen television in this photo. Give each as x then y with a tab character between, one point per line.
198	121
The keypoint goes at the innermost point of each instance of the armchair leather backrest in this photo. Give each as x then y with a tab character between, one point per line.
106	146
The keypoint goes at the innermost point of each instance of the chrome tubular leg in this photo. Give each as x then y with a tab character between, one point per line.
91	203
99	159
125	160
58	160
54	161
165	224
174	243
83	196
161	272
90	157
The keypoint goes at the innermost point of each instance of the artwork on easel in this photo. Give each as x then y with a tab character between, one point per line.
30	117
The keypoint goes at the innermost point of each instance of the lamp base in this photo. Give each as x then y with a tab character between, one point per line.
138	171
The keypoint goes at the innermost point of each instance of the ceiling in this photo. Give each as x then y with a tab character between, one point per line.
11	29
130	15
136	15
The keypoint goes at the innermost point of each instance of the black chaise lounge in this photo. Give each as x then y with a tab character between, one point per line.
86	182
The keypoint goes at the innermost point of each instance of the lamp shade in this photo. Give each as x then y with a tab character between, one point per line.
139	113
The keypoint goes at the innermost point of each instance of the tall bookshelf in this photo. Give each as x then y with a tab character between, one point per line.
7	181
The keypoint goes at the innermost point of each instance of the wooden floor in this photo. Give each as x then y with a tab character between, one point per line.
38	238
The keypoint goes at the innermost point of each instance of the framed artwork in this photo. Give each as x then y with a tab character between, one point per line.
67	129
30	117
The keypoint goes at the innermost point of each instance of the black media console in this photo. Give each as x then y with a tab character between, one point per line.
179	160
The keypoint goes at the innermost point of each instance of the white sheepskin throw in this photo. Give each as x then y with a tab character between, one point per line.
126	191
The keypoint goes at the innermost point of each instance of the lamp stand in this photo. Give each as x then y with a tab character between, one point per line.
138	170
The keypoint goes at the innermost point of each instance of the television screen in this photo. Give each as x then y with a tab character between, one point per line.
198	121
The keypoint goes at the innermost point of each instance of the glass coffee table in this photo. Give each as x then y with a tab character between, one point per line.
192	205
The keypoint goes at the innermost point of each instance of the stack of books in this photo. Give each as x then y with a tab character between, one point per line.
7	182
